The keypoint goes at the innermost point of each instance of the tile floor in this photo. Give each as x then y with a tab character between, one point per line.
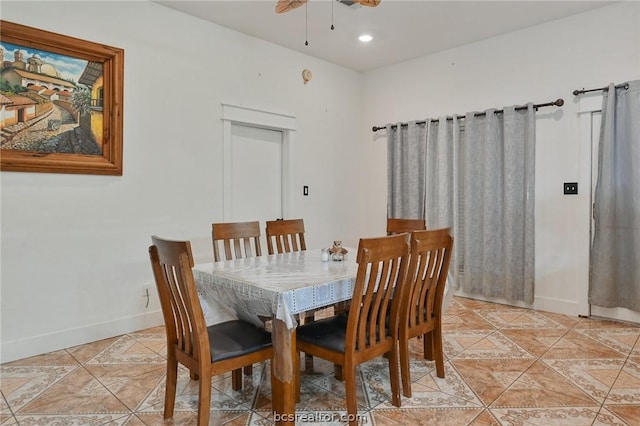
504	366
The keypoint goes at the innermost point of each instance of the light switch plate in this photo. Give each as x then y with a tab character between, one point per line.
571	188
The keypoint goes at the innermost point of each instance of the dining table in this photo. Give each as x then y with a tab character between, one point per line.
278	287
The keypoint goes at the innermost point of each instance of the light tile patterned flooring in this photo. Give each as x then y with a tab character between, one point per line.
504	366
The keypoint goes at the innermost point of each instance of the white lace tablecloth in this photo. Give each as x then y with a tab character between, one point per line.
282	285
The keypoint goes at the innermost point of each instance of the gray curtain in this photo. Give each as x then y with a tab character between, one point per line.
615	255
479	180
420	168
406	153
496	181
440	180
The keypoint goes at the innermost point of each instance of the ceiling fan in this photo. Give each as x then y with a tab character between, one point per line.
288	5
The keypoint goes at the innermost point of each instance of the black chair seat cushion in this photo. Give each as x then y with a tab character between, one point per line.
328	332
235	338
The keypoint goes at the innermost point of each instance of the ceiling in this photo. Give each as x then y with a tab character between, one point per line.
401	30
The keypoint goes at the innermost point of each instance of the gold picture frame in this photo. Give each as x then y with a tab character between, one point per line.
53	121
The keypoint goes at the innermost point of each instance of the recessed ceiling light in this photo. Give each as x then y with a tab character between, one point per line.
365	38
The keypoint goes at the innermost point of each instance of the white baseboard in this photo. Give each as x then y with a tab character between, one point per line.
24	348
558	306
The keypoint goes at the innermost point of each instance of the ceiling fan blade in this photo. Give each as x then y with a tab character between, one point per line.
370	3
287	5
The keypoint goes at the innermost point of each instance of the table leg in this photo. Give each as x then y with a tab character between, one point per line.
283	380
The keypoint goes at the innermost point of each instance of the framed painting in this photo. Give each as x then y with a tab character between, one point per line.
61	103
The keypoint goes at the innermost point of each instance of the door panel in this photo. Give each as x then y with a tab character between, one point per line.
256	174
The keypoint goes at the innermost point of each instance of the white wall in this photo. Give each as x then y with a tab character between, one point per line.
538	64
74	247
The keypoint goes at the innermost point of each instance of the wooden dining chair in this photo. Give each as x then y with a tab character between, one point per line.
285	236
370	328
421	308
398	226
205	351
239	240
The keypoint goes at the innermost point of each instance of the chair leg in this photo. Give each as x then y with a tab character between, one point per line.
427	344
248	370
309	317
308	359
308	363
204	401
404	366
236	379
349	372
438	355
394	377
296	370
337	372
341	307
170	388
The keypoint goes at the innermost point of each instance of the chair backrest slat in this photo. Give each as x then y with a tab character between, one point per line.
247	246
239	240
398	226
288	236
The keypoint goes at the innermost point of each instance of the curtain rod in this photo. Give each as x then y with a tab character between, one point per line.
577	92
558	102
